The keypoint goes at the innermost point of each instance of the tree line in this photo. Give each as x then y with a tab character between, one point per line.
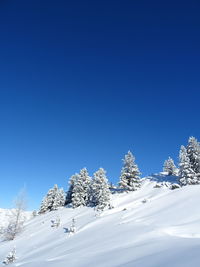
95	191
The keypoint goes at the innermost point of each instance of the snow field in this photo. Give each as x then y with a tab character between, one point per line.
163	230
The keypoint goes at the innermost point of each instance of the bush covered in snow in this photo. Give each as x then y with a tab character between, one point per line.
10	258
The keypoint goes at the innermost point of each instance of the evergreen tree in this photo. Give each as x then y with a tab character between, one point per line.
44	206
72	180
186	173
130	174
55	198
193	151
169	166
59	198
81	189
47	202
100	193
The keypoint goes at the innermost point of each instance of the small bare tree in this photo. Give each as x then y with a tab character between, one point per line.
56	222
72	228
17	218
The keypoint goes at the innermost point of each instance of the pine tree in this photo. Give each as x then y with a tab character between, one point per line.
55	198
130	174
81	189
186	173
59	199
72	180
193	151
44	207
47	202
169	166
100	193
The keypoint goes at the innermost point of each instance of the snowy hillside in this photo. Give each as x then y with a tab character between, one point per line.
151	227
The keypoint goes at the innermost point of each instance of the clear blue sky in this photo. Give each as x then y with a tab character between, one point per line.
82	82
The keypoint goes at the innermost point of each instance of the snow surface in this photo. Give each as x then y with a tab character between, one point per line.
149	227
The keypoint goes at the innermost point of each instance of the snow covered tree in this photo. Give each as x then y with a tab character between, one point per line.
10	258
186	173
72	180
72	228
56	222
34	213
190	162
130	174
81	189
193	151
48	200
59	199
100	192
55	198
169	166
45	206
17	219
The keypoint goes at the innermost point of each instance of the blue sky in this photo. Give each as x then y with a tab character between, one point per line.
81	83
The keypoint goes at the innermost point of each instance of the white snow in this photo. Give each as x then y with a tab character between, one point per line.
163	230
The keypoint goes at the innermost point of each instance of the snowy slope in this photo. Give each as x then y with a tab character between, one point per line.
164	231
